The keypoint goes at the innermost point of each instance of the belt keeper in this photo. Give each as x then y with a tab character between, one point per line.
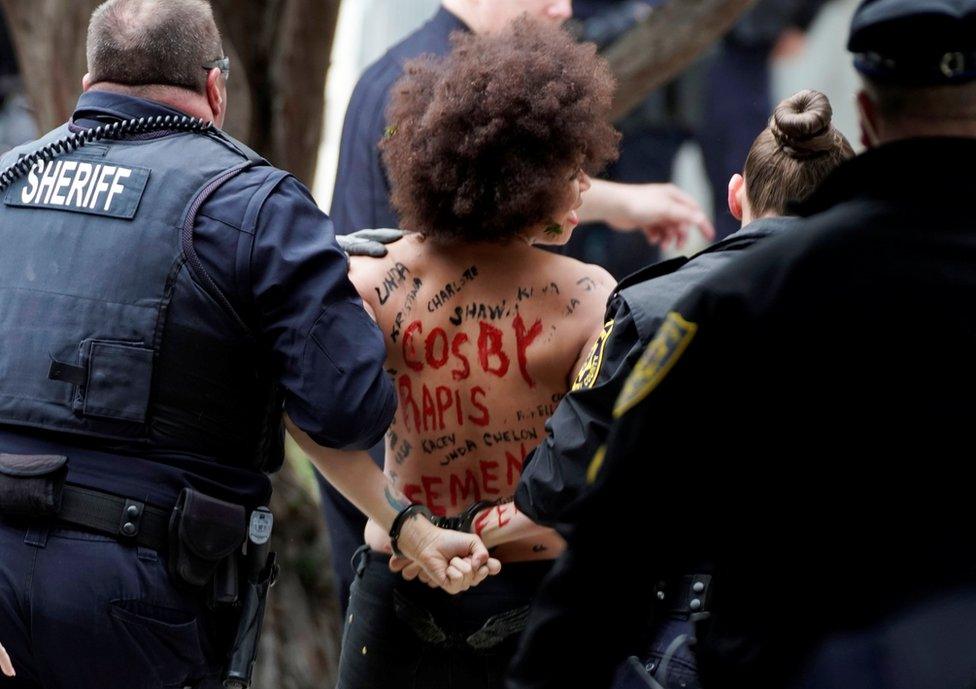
130	522
401	519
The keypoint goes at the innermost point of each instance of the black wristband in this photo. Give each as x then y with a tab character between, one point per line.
401	519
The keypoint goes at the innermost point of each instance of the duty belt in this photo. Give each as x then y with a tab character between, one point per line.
127	519
684	596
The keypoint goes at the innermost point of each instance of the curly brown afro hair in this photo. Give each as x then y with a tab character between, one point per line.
481	144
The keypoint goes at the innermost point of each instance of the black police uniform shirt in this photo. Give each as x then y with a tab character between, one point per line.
555	473
281	275
830	494
361	195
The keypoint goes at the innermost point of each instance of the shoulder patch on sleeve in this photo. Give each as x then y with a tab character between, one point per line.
661	354
596	464
587	375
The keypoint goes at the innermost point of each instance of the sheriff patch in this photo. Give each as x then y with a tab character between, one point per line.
81	185
587	375
665	349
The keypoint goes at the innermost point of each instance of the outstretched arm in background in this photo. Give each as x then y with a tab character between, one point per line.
664	213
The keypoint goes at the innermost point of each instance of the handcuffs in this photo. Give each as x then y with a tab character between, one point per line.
461	522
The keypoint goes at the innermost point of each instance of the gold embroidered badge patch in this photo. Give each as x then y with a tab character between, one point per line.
661	354
586	378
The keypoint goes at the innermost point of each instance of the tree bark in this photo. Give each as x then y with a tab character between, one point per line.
659	48
279	53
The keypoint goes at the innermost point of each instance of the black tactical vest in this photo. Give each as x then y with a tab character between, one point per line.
110	326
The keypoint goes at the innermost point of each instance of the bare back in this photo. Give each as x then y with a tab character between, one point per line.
482	340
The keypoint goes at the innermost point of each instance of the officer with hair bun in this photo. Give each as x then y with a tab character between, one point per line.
827	505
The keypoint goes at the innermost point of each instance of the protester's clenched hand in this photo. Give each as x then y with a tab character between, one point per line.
5	665
369	243
451	560
410	570
665	214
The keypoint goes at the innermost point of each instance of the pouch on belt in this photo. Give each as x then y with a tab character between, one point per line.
204	532
31	485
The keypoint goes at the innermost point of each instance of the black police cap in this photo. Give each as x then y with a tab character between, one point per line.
915	42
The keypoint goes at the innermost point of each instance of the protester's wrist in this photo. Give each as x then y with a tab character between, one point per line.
411	530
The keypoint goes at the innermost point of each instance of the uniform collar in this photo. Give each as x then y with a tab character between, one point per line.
94	107
446	21
929	168
763	227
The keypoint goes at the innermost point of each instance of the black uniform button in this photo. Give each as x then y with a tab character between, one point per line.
132	511
696	604
698	587
129	529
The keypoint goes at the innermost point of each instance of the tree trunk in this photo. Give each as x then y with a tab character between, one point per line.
659	48
279	53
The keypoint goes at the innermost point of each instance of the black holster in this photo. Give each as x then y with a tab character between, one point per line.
254	596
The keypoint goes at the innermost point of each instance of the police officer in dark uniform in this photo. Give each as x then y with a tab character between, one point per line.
557	472
827	507
164	294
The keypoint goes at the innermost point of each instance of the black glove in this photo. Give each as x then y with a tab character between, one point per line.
368	242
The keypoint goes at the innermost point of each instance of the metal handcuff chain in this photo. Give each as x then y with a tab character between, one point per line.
112	131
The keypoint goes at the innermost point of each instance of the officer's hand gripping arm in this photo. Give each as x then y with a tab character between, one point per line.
370	243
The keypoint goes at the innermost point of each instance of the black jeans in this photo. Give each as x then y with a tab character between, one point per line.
406	635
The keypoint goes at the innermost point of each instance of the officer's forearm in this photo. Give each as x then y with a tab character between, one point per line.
354	475
504	523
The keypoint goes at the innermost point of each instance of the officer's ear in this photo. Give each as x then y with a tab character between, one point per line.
737	189
86	82
215	97
867	115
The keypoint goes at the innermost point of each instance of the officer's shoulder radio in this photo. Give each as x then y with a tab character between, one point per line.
105	132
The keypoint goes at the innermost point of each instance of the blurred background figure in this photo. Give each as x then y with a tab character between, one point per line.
720	103
16	121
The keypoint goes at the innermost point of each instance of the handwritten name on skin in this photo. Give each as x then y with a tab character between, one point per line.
451	289
394	279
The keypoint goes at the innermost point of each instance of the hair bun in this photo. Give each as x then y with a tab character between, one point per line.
801	125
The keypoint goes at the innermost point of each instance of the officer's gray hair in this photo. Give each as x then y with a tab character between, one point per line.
148	42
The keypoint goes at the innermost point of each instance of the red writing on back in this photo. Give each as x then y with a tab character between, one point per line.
438	349
459	490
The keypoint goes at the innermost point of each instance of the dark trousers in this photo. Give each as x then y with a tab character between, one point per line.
345	524
80	610
404	634
670	660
